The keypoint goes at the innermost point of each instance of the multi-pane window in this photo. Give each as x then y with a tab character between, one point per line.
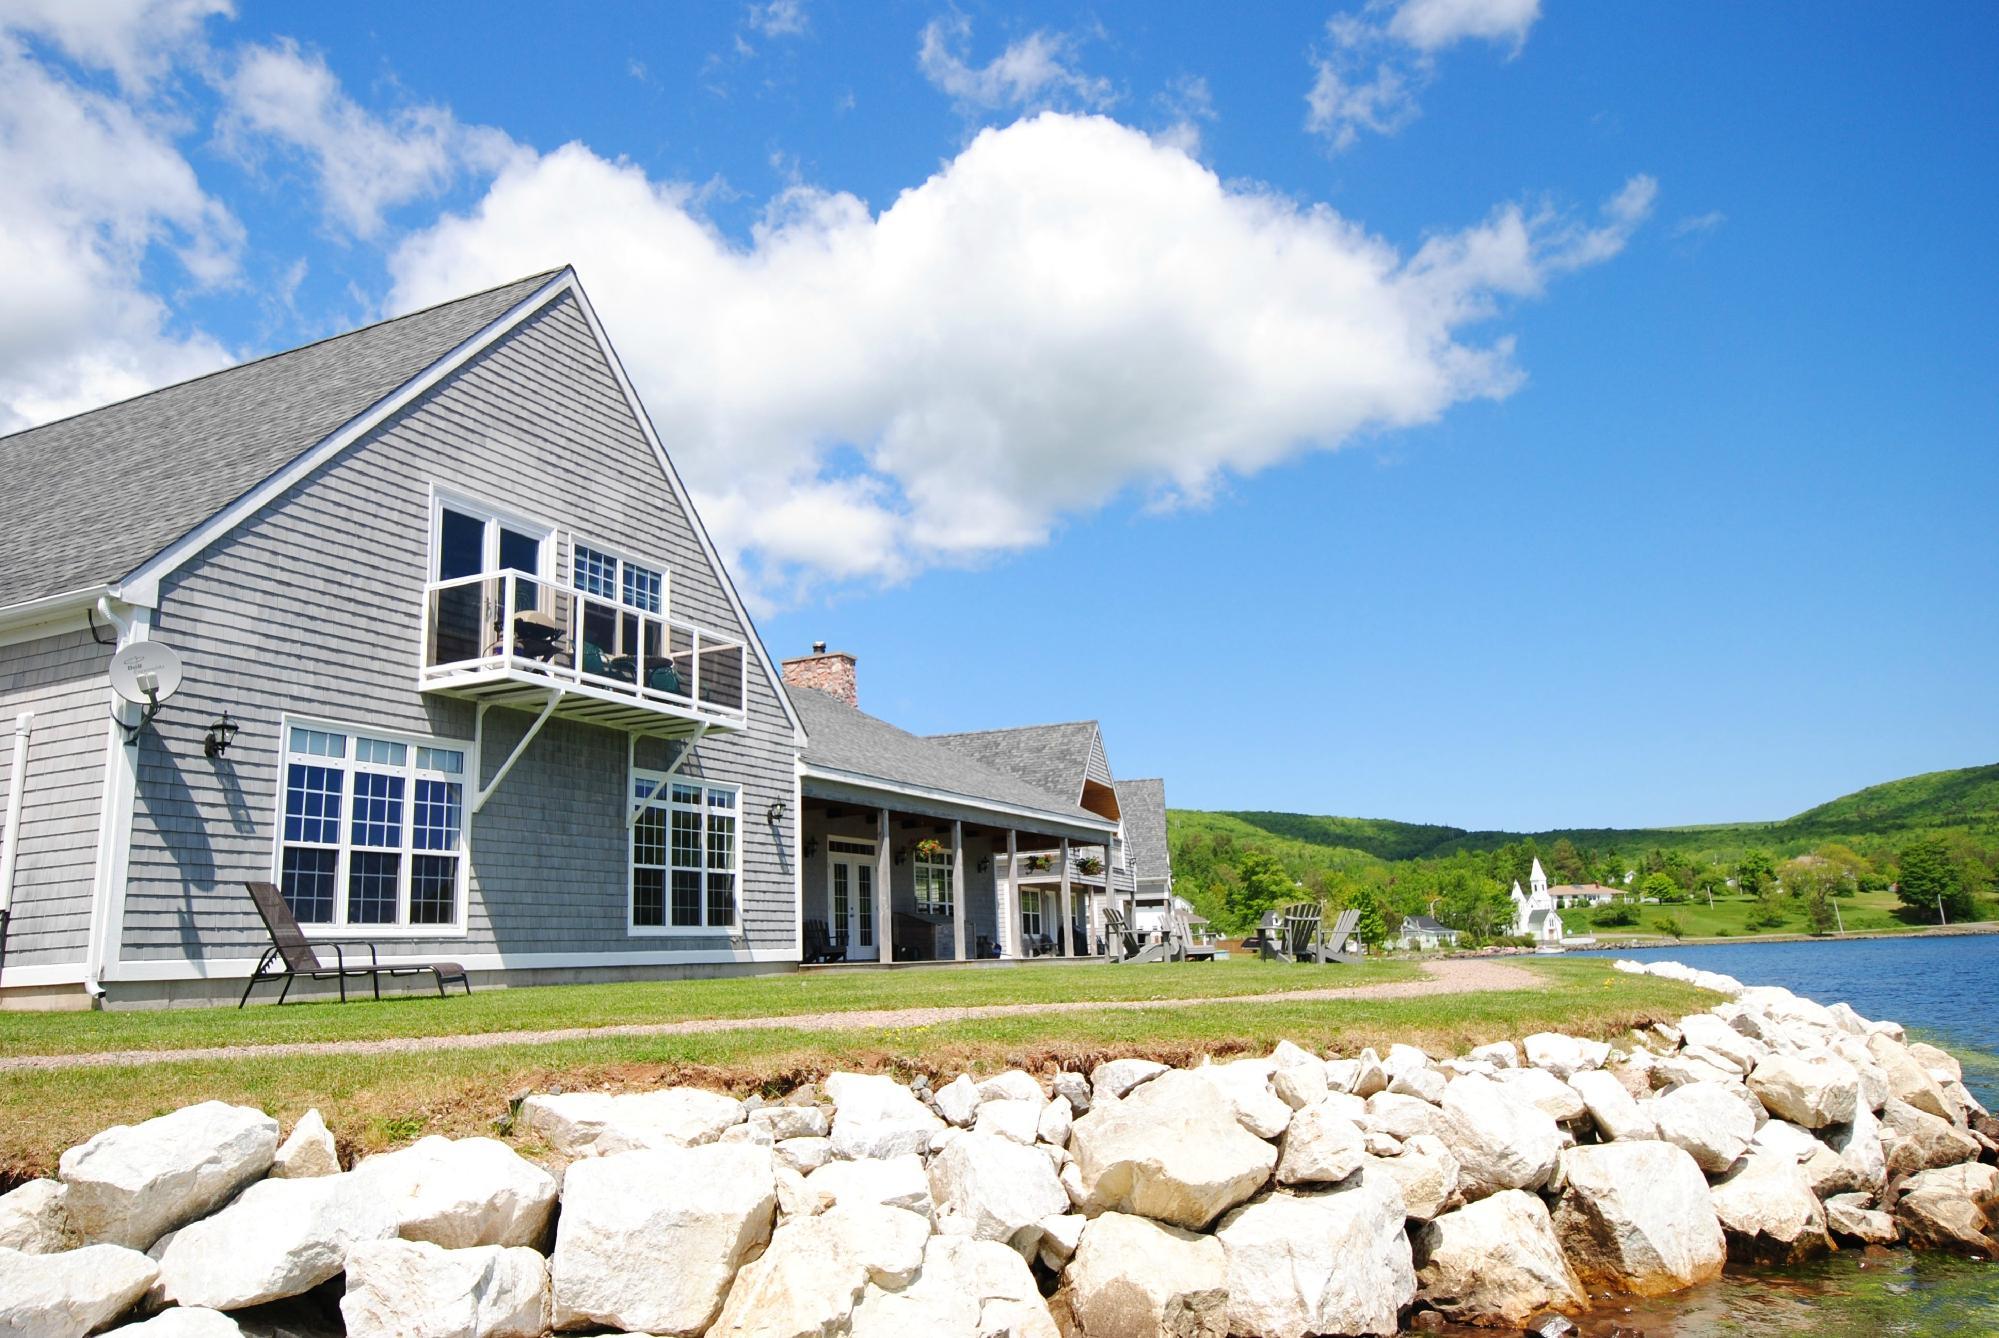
372	830
933	882
1030	915
608	576
684	854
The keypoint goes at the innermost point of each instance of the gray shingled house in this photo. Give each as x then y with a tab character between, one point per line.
481	687
982	839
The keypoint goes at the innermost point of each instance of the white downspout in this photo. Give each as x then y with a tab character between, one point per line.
17	789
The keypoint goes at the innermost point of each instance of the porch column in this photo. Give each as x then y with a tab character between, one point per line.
1068	935
958	889
1008	898
884	901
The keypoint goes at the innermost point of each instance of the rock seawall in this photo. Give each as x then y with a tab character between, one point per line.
1276	1197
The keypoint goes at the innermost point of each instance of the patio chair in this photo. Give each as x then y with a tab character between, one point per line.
1298	932
1187	950
820	945
292	955
1126	944
1337	946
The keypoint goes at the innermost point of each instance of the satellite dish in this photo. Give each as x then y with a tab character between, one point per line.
145	673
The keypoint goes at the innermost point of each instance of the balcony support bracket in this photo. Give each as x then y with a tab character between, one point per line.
631	765
485	792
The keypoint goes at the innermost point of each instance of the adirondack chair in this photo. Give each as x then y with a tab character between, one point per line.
1126	944
820	945
292	955
1338	945
1186	949
1300	933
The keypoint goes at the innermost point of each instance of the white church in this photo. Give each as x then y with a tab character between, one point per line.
1534	914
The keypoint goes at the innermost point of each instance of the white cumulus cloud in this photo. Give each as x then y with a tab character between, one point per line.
1066	312
1377	60
365	164
1037	72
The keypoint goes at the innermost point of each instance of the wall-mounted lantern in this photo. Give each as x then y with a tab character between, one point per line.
221	733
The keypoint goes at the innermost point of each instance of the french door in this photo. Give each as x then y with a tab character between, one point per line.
850	893
470	540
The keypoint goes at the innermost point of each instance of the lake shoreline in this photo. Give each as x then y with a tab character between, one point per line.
1606	945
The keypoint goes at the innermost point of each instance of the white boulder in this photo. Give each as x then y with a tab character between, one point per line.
1810	1090
464	1192
1057	1118
1767	1207
33	1219
1426	1173
1554	1096
1496	1261
965	1286
818	1268
999	1188
1706	1119
1322	1146
1611	1107
1915	1140
1297	1075
892	1182
181	1321
1908	1080
1074	1088
803	1155
958	1101
1246	1085
1134	1278
132	1184
1564	1056
1637	1217
1172	1150
278	1238
1007	1117
70	1294
1402	1116
307	1151
1500	1141
1499	1054
1335	1261
1012	1085
416	1289
1850	1216
1705	1031
876	1116
784	1123
603	1124
1119	1076
649	1242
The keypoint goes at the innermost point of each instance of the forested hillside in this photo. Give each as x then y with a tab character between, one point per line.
1235	864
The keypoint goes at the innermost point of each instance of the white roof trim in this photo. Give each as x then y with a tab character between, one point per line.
720	568
143	585
863	779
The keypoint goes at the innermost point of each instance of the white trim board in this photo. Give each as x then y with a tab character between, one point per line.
239	968
887	787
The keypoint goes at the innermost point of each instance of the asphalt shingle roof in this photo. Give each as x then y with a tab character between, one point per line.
846	739
99	493
1055	758
1143	805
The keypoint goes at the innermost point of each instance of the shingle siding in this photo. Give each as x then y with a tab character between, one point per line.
312	607
61	679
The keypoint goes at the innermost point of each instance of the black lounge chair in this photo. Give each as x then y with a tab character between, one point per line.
292	955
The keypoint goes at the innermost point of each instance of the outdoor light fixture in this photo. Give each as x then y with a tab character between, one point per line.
985	862
221	733
775	813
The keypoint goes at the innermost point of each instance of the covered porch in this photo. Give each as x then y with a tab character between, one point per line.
891	879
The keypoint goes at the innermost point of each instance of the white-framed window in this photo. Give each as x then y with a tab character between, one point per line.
1030	915
933	882
609	575
686	858
372	830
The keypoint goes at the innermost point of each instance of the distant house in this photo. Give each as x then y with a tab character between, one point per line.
1143	805
1421	933
1583	894
1534	913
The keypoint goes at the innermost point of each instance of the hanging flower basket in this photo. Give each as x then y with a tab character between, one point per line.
928	848
1037	863
1090	866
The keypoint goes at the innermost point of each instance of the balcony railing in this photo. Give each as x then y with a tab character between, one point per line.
509	626
1046	866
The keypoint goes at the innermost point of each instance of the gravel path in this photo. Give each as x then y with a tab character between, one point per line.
1451	976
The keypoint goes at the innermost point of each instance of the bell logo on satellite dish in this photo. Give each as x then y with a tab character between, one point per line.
145	673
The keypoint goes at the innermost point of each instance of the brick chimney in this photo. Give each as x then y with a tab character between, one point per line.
830	672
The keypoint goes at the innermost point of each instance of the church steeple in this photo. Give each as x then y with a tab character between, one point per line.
1537	881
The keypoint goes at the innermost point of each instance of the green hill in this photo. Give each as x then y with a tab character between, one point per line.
1964	801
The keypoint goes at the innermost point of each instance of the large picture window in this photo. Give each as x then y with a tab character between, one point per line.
933	882
372	830
684	855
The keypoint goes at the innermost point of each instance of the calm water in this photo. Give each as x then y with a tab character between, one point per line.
1944	990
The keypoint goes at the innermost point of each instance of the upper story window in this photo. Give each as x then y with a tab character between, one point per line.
608	576
933	881
372	829
685	856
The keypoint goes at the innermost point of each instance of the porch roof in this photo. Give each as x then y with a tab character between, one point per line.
852	747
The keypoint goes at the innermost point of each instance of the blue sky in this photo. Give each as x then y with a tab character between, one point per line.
1453	410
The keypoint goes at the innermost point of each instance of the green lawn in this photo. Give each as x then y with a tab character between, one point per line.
559	1006
375	1101
1864	912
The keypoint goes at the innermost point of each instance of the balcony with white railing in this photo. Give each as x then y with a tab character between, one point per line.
1085	870
511	639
